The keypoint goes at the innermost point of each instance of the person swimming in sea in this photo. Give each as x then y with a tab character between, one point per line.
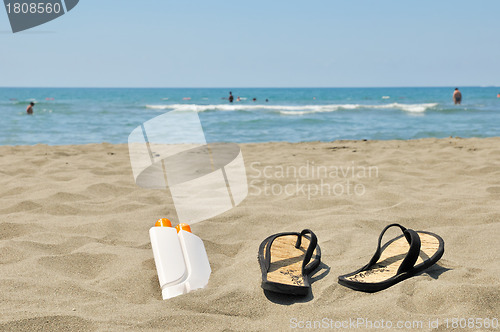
457	97
29	109
231	97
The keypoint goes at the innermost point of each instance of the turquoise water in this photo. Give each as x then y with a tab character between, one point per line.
79	116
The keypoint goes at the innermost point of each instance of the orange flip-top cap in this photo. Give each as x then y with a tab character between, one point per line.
163	222
183	227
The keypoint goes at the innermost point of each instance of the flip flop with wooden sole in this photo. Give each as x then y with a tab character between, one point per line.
285	262
399	259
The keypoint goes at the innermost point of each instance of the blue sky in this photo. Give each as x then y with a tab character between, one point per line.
278	43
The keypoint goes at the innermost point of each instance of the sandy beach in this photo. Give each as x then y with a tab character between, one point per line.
75	252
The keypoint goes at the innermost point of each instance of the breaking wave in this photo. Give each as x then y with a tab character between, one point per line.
292	110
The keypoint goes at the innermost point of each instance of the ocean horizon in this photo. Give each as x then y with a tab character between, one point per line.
65	116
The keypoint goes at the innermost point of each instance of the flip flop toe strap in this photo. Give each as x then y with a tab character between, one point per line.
267	253
413	253
309	252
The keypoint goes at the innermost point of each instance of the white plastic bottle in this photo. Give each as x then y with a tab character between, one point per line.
180	257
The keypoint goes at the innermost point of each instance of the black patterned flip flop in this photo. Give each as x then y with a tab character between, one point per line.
285	262
399	259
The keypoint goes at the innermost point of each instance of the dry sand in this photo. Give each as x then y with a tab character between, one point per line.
75	251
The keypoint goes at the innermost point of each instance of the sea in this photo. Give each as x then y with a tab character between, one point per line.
93	115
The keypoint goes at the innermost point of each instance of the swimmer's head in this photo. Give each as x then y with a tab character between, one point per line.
32	104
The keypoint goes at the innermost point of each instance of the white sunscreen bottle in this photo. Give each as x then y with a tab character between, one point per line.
180	258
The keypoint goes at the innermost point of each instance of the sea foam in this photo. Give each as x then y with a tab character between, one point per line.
292	110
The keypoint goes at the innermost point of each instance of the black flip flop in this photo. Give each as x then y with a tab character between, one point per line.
284	261
399	259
